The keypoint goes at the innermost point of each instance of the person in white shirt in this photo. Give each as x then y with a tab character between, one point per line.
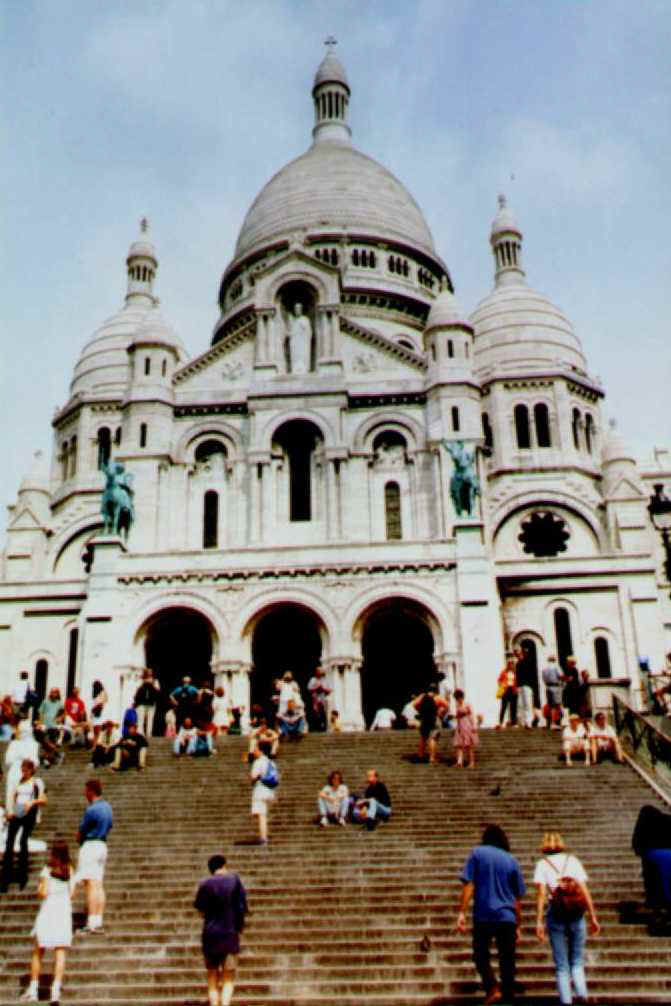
575	739
567	935
409	714
19	693
333	800
290	691
384	719
185	741
23	746
604	740
24	800
262	793
220	717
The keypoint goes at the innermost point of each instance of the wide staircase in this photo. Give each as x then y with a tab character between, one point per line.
339	915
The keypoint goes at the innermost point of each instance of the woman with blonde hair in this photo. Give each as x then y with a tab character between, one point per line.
563	899
53	925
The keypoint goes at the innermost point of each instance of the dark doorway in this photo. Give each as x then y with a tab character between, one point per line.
72	661
178	642
287	638
397	650
41	675
530	668
563	636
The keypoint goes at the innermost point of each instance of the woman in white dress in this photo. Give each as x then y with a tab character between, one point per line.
53	925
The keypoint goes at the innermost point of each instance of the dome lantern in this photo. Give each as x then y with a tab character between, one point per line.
142	264
331	93
506	242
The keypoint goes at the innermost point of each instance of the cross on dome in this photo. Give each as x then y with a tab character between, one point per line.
144	225
330	41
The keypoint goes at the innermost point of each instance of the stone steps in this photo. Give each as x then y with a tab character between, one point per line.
337	914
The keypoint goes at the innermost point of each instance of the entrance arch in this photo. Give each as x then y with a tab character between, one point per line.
177	641
285	637
397	647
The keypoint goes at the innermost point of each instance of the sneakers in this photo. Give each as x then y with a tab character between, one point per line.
30	995
324	823
92	929
342	821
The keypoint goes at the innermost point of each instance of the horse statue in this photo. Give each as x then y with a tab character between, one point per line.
117	503
464	484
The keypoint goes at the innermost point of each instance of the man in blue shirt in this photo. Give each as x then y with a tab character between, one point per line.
92	837
493	880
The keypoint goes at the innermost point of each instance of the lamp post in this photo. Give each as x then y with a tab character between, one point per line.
659	509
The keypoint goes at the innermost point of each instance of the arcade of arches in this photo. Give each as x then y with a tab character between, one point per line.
396	639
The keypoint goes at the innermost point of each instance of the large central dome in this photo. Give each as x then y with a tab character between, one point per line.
334	187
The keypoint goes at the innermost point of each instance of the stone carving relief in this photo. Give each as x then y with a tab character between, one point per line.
365	363
232	371
389	456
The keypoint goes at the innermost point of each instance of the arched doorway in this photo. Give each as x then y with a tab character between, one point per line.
286	638
397	648
178	641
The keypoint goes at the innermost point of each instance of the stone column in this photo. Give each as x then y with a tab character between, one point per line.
328	359
346	696
129	679
266	353
233	676
259	462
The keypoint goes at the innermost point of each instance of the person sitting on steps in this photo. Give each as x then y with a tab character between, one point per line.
333	800
376	803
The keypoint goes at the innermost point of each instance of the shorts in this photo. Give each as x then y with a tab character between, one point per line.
92	859
214	961
427	732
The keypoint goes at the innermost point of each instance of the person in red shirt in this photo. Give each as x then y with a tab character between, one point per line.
76	721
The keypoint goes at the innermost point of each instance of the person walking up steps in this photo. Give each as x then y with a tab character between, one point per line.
222	901
53	925
264	779
95	826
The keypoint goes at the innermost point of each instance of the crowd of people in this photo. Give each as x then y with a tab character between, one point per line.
491	877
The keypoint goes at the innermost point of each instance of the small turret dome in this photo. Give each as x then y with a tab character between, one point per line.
504	222
445	311
615	448
37	479
156	331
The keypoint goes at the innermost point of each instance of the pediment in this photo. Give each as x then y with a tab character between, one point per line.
25	520
225	368
626	489
367	351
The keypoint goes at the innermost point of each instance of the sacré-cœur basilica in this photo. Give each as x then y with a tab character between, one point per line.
353	473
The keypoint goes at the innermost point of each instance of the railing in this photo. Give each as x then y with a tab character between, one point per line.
643	742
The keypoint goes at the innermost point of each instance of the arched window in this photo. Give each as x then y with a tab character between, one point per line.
392	511
589	433
455	418
72	660
575	426
602	657
371	259
73	456
147	364
143	434
104	446
64	460
487	431
542	423
211	519
117	436
563	635
164	368
450	348
334	257
522	426
298	441
467	350
355	257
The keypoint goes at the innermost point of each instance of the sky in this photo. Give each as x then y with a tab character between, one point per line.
182	111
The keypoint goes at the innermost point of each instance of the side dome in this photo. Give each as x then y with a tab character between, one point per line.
333	186
516	327
103	367
445	312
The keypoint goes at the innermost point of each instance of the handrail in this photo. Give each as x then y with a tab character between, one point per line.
643	742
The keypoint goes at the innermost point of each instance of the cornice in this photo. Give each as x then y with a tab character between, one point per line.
316	571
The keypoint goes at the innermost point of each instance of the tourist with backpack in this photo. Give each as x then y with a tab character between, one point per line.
222	901
563	901
265	780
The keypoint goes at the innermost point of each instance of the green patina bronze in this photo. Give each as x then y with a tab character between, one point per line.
464	484
117	502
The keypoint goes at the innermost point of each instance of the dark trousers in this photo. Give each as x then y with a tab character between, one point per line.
509	698
504	934
15	824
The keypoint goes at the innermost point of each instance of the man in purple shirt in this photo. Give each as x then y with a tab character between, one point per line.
222	901
493	880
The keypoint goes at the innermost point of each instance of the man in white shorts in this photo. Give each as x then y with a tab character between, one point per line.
604	740
92	837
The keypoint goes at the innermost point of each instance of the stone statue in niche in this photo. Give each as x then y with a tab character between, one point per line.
299	340
116	505
389	455
464	484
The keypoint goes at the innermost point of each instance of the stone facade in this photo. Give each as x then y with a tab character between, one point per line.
304	467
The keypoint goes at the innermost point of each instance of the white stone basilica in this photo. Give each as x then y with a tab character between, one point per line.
292	484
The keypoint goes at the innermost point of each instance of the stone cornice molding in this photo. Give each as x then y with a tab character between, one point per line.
320	570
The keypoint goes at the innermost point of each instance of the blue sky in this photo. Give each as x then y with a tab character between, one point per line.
182	111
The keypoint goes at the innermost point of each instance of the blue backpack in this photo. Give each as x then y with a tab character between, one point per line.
271	777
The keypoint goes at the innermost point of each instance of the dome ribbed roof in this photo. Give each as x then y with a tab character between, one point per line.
515	326
334	187
103	366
